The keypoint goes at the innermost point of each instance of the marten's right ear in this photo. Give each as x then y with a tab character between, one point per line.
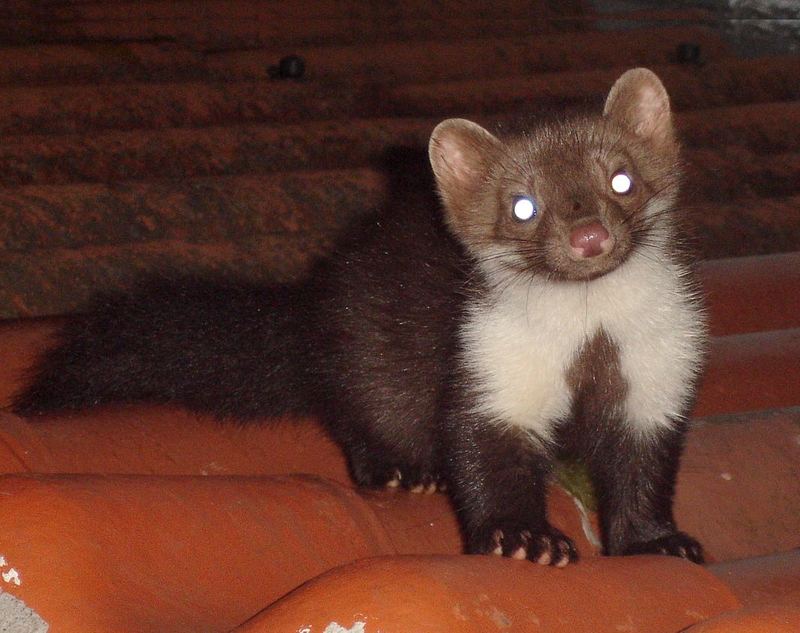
639	101
461	153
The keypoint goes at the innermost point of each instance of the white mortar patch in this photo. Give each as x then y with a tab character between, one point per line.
333	627
12	576
17	617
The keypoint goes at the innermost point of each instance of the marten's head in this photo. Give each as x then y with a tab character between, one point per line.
570	200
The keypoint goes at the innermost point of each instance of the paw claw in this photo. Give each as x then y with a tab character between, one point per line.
497	537
394	482
677	544
546	547
544	558
420	483
392	475
408	479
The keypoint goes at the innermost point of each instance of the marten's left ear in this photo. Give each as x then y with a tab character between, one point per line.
639	101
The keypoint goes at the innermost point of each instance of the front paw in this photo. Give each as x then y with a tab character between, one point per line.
546	546
410	478
677	544
416	480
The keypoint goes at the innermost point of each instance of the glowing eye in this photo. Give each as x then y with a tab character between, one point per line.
621	182
524	208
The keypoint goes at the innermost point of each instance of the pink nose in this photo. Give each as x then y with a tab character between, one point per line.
590	240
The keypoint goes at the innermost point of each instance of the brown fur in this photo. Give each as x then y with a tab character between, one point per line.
375	342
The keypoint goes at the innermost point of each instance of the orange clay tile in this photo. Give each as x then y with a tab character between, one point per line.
155	554
772	580
161	553
483	594
746	372
738	472
753	620
739	484
752	294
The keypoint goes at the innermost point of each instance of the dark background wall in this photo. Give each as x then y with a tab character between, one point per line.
152	138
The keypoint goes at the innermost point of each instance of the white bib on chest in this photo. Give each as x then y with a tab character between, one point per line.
519	345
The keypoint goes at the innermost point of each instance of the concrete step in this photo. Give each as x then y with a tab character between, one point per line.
242	25
746	134
57	281
179	153
752	294
208	209
761	127
398	62
385	63
746	226
195	210
729	173
726	82
49	281
63	109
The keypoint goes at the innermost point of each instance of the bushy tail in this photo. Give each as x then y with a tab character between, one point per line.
232	350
